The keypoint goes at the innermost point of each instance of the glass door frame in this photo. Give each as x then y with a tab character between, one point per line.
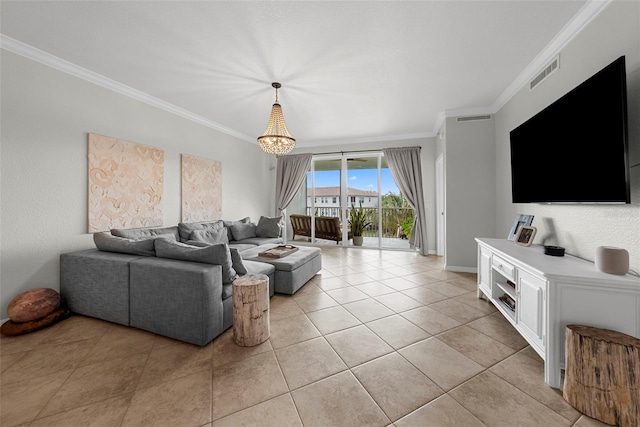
344	196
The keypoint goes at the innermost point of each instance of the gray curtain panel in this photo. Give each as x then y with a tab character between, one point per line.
290	174
405	167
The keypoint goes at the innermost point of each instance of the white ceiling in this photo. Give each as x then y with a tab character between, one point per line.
350	71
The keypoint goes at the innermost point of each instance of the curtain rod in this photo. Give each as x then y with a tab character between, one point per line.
358	151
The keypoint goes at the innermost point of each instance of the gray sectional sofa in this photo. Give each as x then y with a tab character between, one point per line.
173	281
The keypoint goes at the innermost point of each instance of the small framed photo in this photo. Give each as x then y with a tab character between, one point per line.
525	235
519	221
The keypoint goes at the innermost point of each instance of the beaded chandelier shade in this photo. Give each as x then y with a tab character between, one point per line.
276	138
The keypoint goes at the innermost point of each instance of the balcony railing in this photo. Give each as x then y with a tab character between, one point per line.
392	219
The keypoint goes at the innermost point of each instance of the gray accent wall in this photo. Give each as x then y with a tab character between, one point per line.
45	118
470	204
579	228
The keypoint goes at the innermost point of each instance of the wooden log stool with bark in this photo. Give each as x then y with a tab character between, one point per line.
602	374
251	309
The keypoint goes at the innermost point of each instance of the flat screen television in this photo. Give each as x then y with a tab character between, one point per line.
576	149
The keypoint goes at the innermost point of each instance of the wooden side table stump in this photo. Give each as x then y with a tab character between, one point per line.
602	374
251	310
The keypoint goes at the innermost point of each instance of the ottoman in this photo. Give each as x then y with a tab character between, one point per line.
293	270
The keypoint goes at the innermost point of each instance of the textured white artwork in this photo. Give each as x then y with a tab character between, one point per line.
126	183
201	189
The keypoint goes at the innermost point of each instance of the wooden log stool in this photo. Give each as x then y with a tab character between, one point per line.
251	309
602	374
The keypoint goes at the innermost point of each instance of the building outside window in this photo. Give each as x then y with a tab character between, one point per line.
329	197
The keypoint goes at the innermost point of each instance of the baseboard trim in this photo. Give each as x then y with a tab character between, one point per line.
458	269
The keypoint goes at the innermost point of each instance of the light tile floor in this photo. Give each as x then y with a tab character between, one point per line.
378	338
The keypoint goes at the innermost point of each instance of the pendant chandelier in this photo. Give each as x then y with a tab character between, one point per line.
276	138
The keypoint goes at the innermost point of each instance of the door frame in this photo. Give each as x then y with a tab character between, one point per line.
440	216
344	196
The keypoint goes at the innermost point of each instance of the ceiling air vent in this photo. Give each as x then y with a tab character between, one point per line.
548	70
473	118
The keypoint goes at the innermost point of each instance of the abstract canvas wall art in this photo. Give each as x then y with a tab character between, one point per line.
201	189
126	184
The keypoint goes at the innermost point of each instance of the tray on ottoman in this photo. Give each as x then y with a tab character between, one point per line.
292	271
279	251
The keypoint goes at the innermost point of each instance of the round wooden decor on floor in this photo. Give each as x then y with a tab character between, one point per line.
11	328
33	304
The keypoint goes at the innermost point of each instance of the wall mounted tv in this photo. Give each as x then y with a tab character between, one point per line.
576	149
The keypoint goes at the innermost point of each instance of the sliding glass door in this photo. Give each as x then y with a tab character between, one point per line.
363	190
341	189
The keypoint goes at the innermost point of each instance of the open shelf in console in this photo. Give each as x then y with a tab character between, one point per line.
503	292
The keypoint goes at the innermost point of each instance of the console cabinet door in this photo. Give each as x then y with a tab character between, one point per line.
484	276
531	308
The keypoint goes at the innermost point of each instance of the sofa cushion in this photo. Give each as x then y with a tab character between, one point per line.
256	267
227	290
144	233
186	228
236	260
105	241
210	235
268	227
198	244
96	283
255	241
211	254
243	231
241	246
228	224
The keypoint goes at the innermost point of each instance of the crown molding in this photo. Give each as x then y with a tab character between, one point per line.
480	111
366	140
585	15
30	52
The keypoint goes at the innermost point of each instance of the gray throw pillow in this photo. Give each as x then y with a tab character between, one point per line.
210	235
144	233
218	254
186	228
236	259
198	244
243	231
106	242
228	224
268	227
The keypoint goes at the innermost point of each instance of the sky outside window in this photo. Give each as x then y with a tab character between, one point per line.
361	179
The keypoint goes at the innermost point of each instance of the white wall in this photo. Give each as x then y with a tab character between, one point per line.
580	228
428	157
46	116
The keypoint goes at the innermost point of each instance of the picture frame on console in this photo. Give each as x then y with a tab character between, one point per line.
520	220
525	235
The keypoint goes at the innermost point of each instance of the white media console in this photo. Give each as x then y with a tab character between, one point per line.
547	293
